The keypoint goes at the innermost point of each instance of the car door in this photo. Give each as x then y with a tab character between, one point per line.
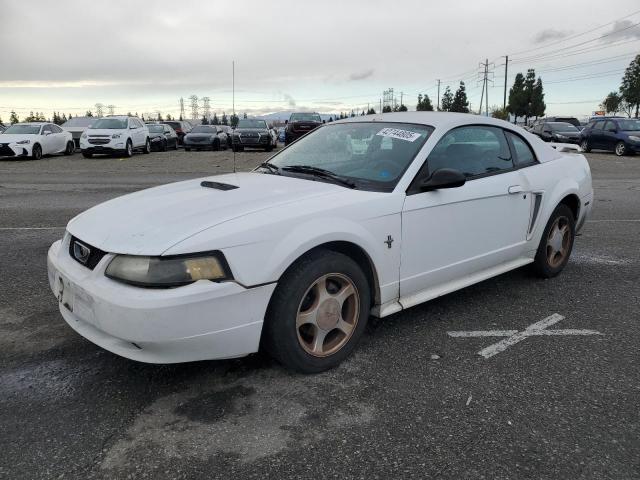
60	138
609	135
596	135
48	140
450	234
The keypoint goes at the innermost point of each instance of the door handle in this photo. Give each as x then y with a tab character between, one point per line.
513	189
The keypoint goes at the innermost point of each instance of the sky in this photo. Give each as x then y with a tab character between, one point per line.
326	56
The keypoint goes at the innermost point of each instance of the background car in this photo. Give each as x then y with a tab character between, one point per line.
117	134
572	120
620	135
229	132
281	134
3	127
181	128
300	124
205	137
560	132
162	137
77	126
34	140
252	133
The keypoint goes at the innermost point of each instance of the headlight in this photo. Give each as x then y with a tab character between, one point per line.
560	136
116	135
84	135
23	142
156	139
164	272
634	138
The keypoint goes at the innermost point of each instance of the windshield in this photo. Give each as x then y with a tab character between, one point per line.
629	125
246	123
155	128
23	130
562	127
373	155
79	122
109	124
305	117
202	129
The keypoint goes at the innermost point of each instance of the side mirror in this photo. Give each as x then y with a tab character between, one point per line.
47	133
286	122
132	127
443	178
546	131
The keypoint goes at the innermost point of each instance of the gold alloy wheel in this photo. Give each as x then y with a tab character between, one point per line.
558	242
328	315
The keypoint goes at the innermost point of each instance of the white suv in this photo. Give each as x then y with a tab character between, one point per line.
115	135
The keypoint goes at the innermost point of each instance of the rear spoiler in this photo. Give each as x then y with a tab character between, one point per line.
566	147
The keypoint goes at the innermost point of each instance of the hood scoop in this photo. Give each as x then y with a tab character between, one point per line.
218	185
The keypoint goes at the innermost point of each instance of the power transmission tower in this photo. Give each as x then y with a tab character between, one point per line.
111	109
486	71
438	104
194	106
388	99
99	107
207	107
181	108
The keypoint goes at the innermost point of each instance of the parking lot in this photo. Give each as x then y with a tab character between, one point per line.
427	394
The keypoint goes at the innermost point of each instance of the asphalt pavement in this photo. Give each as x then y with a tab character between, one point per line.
416	400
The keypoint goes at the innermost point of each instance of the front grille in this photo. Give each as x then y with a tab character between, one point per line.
198	139
99	141
5	151
91	260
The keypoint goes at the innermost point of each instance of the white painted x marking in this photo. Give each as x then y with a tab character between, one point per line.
515	336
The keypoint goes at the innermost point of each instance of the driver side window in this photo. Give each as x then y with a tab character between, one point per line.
474	150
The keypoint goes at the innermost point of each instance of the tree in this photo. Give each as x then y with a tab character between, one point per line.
537	99
630	88
244	115
447	100
64	118
224	121
169	117
215	120
402	108
88	114
460	102
13	118
330	119
424	103
205	121
517	98
371	111
234	120
386	109
499	112
129	114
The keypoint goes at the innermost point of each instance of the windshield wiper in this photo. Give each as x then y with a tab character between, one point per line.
319	172
271	167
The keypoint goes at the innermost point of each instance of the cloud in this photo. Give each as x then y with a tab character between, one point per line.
290	100
549	34
361	75
622	30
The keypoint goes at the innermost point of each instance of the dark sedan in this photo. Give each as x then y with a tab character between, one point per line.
181	128
205	137
560	132
300	124
620	135
252	133
162	137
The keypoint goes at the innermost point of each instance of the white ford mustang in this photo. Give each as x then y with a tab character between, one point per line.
35	139
369	215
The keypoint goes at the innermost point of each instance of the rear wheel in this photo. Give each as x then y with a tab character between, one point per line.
128	151
584	146
318	312
556	243
165	147
175	143
36	153
71	147
621	149
147	146
215	146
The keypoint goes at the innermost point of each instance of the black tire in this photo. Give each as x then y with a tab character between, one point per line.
621	149
128	151
87	155
542	265
215	146
282	339
147	147
187	149
584	146
175	144
269	148
71	147
36	153
164	146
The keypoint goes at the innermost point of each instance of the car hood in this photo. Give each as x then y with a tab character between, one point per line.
151	221
10	138
203	134
568	134
104	131
251	130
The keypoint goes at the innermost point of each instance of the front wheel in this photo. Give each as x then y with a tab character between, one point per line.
556	243
318	312
36	153
147	147
71	147
215	146
175	144
128	151
621	149
584	146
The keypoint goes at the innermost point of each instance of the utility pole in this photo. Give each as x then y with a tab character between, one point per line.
194	106
181	108
485	66
207	107
438	104
506	66
401	98
111	109
380	111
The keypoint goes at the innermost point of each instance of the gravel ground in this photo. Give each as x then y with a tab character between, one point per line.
413	402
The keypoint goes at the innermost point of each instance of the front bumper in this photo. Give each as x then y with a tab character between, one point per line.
116	145
15	150
201	321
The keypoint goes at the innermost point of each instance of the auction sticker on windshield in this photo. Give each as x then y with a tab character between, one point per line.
399	134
